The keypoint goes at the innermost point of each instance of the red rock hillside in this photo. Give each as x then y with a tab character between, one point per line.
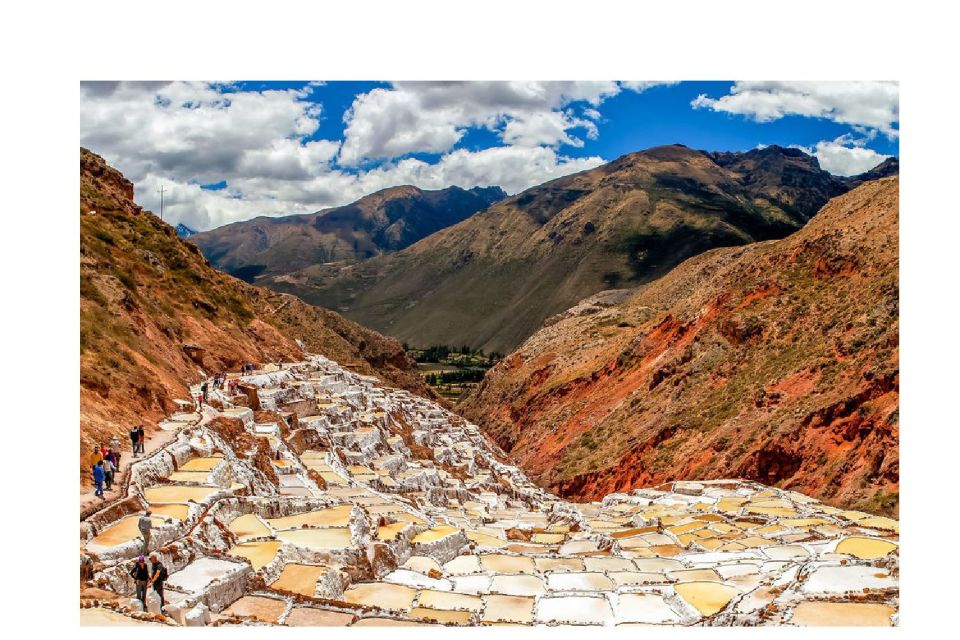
777	361
145	294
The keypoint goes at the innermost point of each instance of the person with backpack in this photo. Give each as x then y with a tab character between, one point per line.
98	477
134	436
141	437
203	390
141	574
145	524
158	575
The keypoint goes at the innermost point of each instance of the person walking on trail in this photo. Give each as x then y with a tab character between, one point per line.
145	524
134	436
97	454
203	390
108	473
158	575
141	574
199	403
98	477
141	437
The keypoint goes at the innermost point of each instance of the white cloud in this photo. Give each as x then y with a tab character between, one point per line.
433	116
869	105
845	156
182	135
642	85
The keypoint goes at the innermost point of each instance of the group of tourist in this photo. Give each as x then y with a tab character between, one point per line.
146	576
106	463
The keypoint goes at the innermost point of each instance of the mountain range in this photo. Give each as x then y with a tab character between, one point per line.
490	280
776	361
384	221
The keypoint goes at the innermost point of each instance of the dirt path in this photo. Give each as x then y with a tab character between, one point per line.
156	438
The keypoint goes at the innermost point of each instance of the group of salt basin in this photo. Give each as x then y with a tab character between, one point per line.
373	506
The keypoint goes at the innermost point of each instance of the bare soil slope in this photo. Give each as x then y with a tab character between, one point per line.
776	362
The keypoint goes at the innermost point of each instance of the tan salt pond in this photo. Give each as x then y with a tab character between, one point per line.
521	585
380	594
865	548
121	531
263	609
706	597
437	533
248	526
201	464
451	601
330	538
177	511
189	476
391	531
299	578
842	614
257	553
508	609
178	493
498	563
877	522
558	564
332	517
445	617
485	540
311	617
100	617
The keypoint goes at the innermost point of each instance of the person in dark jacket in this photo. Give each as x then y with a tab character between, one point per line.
158	575
141	437
141	575
134	436
98	477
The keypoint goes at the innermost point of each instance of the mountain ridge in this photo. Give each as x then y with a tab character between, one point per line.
489	281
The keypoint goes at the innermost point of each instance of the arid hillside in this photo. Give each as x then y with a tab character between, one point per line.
154	314
777	362
491	280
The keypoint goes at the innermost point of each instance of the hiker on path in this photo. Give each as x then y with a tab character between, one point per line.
97	454
141	574
145	524
199	403
108	473
158	575
134	436
203	390
98	477
141	437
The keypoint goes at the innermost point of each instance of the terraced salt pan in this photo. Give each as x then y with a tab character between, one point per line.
257	607
574	610
441	616
330	538
579	582
195	577
175	511
500	608
866	548
331	517
201	464
120	532
311	617
452	601
842	614
381	594
258	554
847	578
248	526
706	597
178	493
497	563
648	608
299	578
434	534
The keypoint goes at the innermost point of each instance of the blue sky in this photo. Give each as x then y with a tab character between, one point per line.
230	151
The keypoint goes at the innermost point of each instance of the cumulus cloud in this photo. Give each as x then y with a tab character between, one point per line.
867	105
845	156
433	116
183	134
642	85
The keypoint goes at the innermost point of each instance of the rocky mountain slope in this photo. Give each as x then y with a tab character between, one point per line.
384	221
776	362
491	280
154	313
